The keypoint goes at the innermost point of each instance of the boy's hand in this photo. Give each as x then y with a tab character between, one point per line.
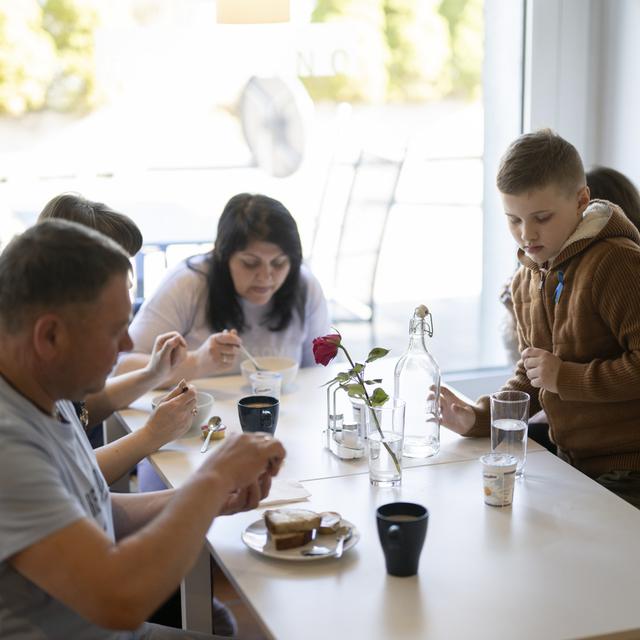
456	414
542	368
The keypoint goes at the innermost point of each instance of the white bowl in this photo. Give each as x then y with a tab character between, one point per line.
204	404
288	367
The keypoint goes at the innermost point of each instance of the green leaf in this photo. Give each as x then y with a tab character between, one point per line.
355	390
374	381
376	353
341	377
379	397
357	369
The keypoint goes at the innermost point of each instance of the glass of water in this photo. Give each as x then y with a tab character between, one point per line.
385	428
509	421
266	383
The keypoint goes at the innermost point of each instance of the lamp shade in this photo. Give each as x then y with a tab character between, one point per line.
252	11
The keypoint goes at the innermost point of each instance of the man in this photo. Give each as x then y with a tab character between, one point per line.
75	561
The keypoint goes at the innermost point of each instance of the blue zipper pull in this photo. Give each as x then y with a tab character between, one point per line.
560	287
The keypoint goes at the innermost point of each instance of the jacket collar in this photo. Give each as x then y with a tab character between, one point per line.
600	220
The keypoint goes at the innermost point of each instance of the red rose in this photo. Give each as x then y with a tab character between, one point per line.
325	348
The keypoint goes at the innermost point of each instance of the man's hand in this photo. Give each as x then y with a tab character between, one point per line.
169	350
542	368
244	459
456	414
248	498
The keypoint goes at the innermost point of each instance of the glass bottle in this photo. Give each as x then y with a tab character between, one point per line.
417	382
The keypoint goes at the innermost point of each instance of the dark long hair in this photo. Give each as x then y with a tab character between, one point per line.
606	183
246	218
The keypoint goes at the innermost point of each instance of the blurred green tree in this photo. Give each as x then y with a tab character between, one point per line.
367	80
27	57
72	24
419	48
47	54
466	27
413	50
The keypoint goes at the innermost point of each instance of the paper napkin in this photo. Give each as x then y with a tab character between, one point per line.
283	491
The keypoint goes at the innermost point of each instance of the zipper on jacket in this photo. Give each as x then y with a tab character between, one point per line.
543	276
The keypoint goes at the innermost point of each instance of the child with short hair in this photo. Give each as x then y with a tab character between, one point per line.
576	297
169	348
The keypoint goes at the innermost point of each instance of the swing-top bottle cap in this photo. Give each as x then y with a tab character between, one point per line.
422	311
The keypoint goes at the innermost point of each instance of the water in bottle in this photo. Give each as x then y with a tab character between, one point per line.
417	382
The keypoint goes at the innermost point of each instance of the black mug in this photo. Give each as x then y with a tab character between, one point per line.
258	413
402	527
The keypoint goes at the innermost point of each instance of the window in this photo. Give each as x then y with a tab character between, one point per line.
173	113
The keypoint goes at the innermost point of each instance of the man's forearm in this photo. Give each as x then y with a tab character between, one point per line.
132	511
165	548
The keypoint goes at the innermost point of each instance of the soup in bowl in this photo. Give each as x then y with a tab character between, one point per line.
288	367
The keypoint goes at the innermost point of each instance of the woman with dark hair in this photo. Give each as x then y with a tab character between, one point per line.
606	183
252	289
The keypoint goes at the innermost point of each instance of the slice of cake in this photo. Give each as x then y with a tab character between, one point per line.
290	528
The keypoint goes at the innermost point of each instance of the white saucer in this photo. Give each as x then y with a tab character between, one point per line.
256	537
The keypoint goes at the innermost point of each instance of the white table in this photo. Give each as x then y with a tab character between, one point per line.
302	418
562	562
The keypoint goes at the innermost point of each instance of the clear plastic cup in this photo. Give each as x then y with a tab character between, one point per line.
498	475
266	383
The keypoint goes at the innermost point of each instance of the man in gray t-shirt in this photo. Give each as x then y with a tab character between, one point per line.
75	561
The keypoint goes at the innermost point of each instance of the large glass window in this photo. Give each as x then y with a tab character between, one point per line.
367	118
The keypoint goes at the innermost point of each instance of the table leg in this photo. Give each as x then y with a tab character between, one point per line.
195	595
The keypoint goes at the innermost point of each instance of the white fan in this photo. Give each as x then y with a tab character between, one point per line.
276	115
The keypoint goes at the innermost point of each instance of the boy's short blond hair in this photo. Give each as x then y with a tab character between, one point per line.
536	160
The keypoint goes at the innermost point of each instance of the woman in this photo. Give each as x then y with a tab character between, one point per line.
173	416
252	289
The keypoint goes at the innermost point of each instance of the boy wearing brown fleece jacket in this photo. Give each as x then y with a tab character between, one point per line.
576	297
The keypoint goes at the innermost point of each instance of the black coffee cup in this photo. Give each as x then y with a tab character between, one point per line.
258	413
402	527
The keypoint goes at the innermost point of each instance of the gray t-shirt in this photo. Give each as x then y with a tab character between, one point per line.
49	478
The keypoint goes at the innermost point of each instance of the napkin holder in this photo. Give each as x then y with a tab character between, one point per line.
344	439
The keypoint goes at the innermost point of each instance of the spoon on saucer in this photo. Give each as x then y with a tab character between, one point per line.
215	424
342	535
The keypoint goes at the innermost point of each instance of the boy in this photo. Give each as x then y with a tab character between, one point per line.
576	297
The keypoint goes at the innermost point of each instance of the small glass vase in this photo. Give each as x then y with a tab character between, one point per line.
344	435
385	426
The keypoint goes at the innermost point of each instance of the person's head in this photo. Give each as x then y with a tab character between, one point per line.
64	298
543	188
608	184
256	257
95	215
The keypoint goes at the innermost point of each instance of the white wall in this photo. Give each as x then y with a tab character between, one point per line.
583	78
619	87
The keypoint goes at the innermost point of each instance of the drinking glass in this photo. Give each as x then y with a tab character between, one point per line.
385	428
509	422
266	383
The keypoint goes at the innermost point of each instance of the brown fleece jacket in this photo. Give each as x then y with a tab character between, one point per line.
592	323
